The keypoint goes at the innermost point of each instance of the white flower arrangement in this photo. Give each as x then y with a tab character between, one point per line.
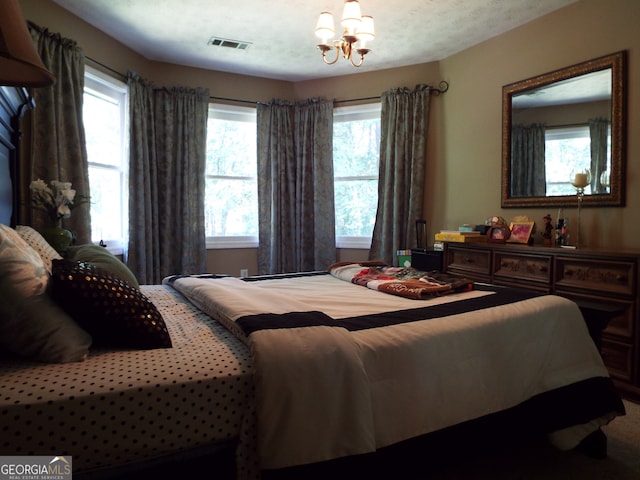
56	201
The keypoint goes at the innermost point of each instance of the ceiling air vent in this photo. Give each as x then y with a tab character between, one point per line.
228	43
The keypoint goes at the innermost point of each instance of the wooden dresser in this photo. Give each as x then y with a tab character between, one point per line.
604	283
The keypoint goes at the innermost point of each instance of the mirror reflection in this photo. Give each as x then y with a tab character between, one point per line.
561	122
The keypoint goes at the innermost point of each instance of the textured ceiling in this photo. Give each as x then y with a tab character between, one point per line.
280	33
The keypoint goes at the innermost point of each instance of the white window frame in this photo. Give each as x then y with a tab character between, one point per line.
234	113
108	86
351	113
567	133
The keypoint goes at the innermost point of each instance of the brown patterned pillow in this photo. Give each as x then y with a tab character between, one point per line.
36	241
112	311
20	265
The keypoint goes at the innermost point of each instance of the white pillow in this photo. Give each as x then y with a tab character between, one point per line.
39	244
32	325
20	265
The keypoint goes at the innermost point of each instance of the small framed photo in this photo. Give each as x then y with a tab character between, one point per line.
498	234
520	232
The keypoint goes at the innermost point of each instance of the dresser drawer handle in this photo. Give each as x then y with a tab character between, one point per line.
468	260
621	278
543	268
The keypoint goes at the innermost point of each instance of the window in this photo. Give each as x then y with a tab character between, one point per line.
231	192
566	149
105	113
356	152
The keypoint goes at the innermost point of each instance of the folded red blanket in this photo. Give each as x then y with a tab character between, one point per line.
405	282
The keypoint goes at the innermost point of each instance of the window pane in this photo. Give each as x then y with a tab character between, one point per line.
106	204
231	189
105	124
101	117
356	146
565	150
231	207
358	201
231	148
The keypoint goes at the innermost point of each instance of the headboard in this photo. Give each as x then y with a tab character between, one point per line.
14	101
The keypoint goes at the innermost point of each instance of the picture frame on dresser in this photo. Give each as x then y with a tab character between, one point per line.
520	232
498	234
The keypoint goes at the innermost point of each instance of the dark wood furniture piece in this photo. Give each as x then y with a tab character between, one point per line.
426	260
603	283
13	103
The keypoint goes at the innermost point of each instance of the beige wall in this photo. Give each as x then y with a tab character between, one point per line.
469	170
463	168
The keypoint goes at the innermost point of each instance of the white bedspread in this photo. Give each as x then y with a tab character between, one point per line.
325	392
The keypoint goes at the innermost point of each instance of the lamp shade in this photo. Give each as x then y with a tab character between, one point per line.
365	32
324	28
351	16
20	64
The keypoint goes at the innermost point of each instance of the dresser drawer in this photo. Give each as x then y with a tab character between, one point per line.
518	266
600	276
618	357
620	322
467	260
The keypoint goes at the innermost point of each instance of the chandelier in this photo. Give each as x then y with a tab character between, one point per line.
357	29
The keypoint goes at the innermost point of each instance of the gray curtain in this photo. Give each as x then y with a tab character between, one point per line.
404	124
528	172
599	133
295	186
166	180
58	148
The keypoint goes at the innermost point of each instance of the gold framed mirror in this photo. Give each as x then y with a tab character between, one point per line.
558	122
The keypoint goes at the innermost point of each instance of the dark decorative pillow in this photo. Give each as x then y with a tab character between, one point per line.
112	311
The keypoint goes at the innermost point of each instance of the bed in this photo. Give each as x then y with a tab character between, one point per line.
280	375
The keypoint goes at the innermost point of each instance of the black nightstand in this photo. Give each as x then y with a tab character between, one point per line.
426	260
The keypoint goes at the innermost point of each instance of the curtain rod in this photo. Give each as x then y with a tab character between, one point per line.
567	125
105	66
443	87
